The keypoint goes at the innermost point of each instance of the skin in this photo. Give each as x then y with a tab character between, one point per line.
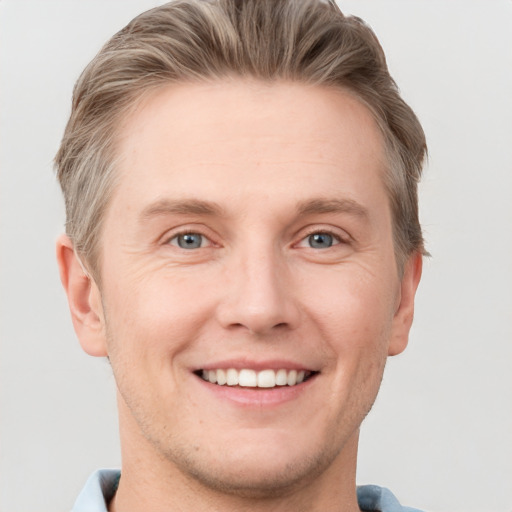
279	161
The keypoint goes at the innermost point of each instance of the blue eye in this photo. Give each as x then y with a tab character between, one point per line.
321	240
188	240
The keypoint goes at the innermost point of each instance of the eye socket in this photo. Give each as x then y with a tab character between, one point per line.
188	240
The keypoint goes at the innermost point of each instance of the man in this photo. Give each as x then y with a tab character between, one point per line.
243	244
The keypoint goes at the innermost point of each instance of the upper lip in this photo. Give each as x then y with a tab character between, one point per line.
240	364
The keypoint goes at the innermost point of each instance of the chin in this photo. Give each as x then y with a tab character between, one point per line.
264	473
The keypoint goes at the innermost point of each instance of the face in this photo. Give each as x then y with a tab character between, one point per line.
249	241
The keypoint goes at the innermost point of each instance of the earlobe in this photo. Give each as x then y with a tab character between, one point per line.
83	298
402	321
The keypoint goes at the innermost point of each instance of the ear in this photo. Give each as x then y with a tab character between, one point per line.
404	314
84	299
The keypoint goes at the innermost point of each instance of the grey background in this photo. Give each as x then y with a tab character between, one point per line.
440	433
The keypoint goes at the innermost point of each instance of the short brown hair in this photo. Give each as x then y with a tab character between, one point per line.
308	41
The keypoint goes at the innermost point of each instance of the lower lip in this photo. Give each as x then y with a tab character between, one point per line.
258	397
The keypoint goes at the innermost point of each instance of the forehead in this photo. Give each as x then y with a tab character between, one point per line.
238	137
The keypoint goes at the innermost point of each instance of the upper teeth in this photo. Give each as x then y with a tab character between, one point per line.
253	379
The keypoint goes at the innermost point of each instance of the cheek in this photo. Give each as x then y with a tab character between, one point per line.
149	324
353	310
150	321
354	315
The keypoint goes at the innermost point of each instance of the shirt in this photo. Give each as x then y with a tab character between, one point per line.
102	485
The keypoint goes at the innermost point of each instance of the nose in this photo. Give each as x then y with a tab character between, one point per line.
259	295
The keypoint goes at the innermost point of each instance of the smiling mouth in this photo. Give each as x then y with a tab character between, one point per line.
255	379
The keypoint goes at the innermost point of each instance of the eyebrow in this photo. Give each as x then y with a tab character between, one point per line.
181	207
208	208
332	206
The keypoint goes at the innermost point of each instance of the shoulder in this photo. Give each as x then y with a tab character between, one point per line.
98	491
379	499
